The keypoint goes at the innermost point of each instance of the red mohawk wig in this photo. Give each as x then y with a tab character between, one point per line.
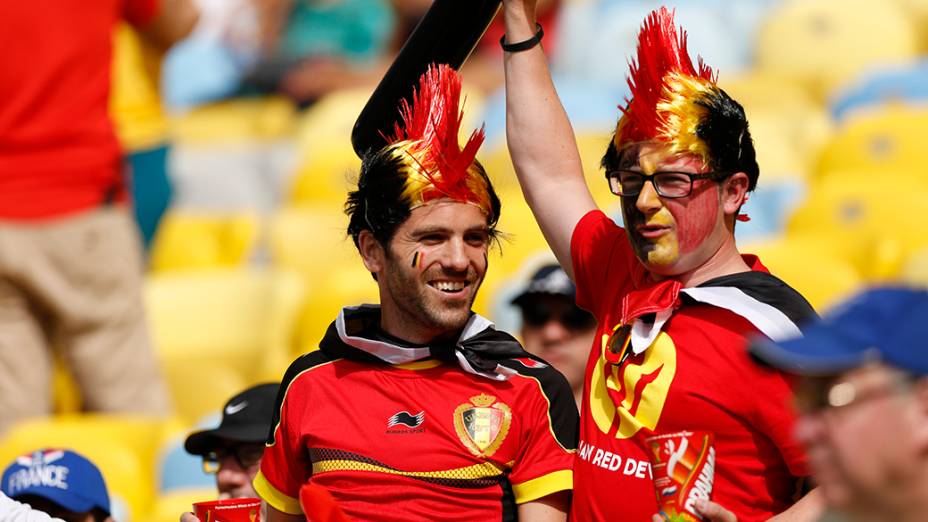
427	142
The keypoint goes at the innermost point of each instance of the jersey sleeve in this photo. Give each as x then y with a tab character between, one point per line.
778	418
285	465
550	429
601	258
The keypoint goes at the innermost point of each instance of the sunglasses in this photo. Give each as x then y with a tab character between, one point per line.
245	455
537	314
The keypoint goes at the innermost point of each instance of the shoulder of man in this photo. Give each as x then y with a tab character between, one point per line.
555	390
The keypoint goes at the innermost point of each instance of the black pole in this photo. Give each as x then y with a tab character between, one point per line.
447	34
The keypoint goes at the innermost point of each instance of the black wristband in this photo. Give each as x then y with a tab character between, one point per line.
524	45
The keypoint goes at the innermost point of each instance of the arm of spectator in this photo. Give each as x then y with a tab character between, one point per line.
189	517
541	140
13	511
272	18
172	22
551	508
809	508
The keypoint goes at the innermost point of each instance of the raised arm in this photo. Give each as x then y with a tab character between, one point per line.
541	140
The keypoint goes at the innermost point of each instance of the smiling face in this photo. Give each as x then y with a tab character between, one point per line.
431	269
671	236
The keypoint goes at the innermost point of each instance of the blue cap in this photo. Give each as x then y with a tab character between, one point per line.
886	325
61	476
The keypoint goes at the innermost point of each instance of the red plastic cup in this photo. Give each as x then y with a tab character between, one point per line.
229	510
683	466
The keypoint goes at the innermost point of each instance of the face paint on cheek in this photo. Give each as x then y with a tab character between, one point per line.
417	259
698	218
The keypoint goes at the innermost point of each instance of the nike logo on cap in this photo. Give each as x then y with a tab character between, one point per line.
232	409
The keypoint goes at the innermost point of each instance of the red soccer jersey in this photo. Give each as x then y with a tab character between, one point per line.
424	441
58	152
696	375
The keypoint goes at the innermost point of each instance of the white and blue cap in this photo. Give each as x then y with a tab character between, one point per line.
888	325
60	476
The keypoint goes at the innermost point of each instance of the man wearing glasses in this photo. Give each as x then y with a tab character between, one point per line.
674	300
553	326
233	450
863	398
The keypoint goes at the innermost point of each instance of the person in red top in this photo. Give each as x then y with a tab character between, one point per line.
69	256
674	299
418	408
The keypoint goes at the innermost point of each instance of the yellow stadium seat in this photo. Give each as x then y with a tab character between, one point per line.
893	138
810	267
825	43
243	319
237	120
313	241
196	240
122	447
869	224
915	269
198	390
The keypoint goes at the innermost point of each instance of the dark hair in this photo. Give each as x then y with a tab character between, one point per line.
377	203
724	129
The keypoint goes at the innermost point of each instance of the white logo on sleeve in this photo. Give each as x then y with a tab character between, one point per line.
232	409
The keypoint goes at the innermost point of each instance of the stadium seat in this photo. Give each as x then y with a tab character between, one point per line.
236	120
123	447
906	83
808	266
824	44
313	242
197	240
200	389
892	138
240	318
868	224
915	268
178	471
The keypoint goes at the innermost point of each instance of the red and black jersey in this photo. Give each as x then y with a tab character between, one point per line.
425	440
690	370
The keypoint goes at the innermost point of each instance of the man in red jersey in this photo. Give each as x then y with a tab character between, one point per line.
674	299
419	409
69	255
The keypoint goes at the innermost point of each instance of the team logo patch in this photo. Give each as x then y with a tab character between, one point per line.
482	424
406	419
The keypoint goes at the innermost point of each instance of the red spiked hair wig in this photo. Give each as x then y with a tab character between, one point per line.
679	105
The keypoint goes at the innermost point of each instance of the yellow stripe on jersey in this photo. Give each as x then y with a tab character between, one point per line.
477	471
274	497
424	364
543	486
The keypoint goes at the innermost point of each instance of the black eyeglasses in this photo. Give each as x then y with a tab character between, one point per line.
537	314
245	455
668	184
815	395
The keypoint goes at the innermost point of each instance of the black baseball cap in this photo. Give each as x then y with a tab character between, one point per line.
246	417
550	279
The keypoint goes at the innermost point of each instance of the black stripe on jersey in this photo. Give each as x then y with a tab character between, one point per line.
307	361
562	409
508	501
770	290
317	455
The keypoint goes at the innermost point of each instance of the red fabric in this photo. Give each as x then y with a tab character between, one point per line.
319	506
696	376
341	410
58	151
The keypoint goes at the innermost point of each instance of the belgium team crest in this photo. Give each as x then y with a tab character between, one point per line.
482	424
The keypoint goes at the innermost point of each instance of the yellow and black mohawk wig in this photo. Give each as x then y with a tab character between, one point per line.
679	105
423	161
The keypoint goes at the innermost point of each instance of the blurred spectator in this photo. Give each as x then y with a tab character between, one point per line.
863	398
233	450
70	264
61	483
301	48
553	326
